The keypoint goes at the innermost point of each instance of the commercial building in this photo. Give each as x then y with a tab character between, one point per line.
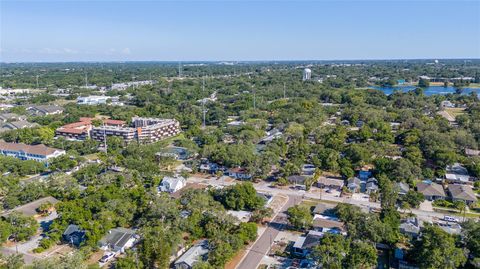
81	130
307	74
144	130
92	100
39	153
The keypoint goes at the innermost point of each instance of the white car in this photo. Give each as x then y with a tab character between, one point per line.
450	219
108	256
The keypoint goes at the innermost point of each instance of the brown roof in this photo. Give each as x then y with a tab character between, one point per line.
114	122
331	181
71	130
35	149
430	189
327	223
462	192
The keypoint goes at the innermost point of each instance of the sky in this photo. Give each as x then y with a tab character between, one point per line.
127	30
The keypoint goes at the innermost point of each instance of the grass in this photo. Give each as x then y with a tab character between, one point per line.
451	211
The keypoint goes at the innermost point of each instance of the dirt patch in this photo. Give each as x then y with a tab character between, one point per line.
93	259
232	264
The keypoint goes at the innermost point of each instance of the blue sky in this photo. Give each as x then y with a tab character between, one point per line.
102	30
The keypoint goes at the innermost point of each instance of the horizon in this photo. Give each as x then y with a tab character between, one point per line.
124	31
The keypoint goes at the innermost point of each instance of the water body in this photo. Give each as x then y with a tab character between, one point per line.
427	91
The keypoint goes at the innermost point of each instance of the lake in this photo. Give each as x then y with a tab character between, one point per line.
428	91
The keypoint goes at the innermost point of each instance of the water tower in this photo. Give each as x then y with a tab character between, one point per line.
307	74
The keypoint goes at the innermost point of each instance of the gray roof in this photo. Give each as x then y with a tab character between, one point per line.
402	187
20	124
430	189
410	226
296	179
72	228
47	108
11	116
117	238
462	192
196	253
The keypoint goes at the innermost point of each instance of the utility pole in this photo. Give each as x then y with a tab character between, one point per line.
179	69
37	82
203	101
86	80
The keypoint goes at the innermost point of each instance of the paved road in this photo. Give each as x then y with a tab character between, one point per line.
261	247
315	194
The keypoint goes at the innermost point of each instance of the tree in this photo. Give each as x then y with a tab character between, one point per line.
44	208
332	251
361	255
436	249
423	83
471	237
413	199
241	196
22	227
247	232
299	216
260	214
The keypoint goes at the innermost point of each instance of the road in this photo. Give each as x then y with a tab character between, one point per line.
261	247
314	193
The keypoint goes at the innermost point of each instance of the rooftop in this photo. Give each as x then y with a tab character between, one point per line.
35	149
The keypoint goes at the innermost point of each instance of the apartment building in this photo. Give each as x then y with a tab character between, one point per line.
39	153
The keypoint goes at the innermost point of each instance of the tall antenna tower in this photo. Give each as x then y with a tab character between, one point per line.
284	91
86	80
37	82
179	69
203	101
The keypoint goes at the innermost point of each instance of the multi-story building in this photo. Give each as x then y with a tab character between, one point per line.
144	130
39	153
81	130
92	100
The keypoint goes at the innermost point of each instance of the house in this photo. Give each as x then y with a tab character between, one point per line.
45	110
410	227
297	179
304	244
239	173
462	193
118	240
328	224
207	167
431	191
172	184
371	186
402	188
14	125
354	184
447	104
330	183
193	255
39	153
308	169
7	117
456	173
74	235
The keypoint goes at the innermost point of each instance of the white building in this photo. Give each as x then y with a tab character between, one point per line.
172	184
39	153
92	100
307	74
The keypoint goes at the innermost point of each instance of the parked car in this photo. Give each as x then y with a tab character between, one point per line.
108	256
450	219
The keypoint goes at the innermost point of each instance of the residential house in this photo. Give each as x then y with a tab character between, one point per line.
328	224
364	174
118	240
431	191
45	110
304	244
410	227
195	254
39	153
456	173
239	173
371	185
172	184
462	193
208	167
14	125
7	117
354	184
330	183
74	235
297	179
402	188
